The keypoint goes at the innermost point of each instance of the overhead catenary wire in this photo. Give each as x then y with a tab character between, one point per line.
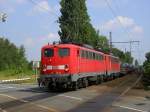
113	12
77	19
115	2
66	21
115	15
43	8
124	28
51	12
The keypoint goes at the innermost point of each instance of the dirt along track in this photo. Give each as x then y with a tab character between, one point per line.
23	98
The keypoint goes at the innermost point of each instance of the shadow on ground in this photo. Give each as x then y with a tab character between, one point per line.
42	94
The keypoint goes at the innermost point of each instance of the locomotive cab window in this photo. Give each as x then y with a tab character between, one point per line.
48	52
64	52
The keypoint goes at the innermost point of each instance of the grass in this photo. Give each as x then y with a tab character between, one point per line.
11	74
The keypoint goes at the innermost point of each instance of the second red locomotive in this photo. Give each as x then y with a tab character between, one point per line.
73	66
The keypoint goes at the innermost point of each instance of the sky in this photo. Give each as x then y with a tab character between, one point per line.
33	23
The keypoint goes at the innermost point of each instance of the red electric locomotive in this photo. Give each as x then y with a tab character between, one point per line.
73	66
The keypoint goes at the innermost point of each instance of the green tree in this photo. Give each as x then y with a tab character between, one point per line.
128	58
148	56
102	42
75	23
11	57
119	53
146	64
136	63
146	76
22	63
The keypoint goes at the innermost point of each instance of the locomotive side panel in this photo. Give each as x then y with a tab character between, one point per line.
91	62
74	60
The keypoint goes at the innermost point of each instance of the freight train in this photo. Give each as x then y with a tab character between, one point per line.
73	66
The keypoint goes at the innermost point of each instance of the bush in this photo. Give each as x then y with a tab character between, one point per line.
146	75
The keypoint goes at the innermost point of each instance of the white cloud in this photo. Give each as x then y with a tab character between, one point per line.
137	29
42	6
125	23
119	21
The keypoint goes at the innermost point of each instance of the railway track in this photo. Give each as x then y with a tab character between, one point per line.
85	100
102	102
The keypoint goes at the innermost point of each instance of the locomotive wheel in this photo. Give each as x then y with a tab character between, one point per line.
114	76
98	81
85	82
75	86
102	79
50	87
80	83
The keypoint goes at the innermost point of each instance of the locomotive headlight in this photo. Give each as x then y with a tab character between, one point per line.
44	68
66	68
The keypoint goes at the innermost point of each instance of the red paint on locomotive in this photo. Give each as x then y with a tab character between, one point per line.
75	62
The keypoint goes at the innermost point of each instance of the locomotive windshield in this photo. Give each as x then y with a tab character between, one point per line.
48	52
64	52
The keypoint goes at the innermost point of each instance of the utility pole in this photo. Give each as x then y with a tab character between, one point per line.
110	41
128	42
125	50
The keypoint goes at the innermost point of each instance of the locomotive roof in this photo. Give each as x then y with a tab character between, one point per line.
112	56
77	46
60	45
71	45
